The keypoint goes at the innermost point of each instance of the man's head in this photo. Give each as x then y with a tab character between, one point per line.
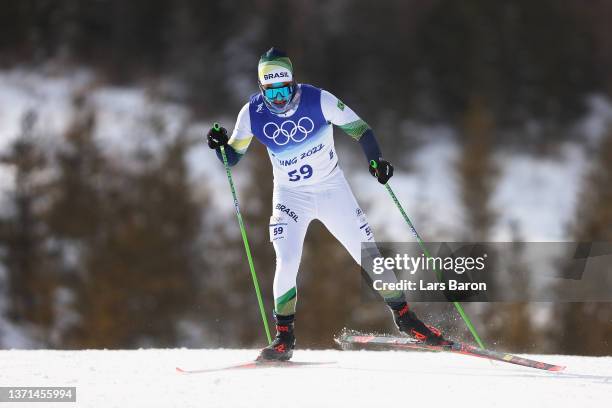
275	77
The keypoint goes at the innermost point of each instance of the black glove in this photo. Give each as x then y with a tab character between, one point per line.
382	170
217	137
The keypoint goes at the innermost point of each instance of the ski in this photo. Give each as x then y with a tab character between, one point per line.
346	340
255	364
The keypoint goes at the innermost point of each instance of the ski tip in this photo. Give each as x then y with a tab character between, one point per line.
557	368
180	370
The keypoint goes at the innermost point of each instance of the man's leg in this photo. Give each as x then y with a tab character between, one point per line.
291	213
339	211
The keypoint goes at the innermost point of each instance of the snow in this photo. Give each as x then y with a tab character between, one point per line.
538	194
597	121
147	378
429	195
126	118
50	96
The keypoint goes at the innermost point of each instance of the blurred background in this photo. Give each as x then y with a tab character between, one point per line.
117	227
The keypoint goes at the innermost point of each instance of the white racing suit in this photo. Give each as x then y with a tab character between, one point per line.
308	183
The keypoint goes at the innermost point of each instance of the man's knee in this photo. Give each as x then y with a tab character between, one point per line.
287	263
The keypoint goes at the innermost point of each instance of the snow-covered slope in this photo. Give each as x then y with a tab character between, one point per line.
537	195
147	378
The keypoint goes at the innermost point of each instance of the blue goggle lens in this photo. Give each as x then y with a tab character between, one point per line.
273	94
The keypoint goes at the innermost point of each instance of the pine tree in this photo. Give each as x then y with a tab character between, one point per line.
77	205
583	327
477	170
31	285
135	226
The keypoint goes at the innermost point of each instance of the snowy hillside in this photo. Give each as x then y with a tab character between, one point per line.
147	378
536	194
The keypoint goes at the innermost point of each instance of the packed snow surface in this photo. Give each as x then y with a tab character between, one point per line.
147	378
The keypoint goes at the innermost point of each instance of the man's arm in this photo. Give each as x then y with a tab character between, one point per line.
337	113
240	140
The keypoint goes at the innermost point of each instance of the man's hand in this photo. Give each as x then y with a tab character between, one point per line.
382	170
217	137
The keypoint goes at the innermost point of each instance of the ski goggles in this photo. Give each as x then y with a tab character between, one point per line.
279	92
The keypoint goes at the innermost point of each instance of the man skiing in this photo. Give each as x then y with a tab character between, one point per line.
294	121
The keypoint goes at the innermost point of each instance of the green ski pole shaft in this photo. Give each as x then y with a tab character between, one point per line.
247	248
457	305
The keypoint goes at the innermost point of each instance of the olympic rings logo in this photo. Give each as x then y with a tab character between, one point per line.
289	130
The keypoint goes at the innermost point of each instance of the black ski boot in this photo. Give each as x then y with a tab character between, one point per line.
408	322
281	349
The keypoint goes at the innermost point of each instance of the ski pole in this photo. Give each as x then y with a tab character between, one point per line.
458	306
247	248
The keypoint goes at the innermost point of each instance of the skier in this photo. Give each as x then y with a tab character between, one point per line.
294	121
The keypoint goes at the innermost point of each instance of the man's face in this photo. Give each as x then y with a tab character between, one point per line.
278	94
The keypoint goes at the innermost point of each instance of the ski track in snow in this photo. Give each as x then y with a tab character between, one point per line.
147	378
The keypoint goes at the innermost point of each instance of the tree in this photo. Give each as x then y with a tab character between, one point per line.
31	285
135	229
584	327
476	169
